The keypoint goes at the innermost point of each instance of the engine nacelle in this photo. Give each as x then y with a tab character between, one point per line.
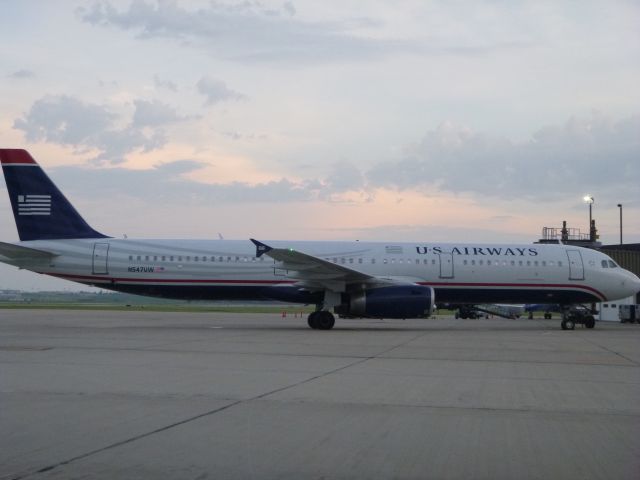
289	293
402	301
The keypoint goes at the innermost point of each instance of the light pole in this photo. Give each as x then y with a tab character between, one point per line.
589	199
620	207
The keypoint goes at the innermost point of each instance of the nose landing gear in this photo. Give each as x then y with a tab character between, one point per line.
577	315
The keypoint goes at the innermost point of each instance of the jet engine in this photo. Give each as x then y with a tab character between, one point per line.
401	301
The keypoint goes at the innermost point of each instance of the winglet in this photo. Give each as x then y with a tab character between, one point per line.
261	248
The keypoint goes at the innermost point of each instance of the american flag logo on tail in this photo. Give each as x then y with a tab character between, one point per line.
34	204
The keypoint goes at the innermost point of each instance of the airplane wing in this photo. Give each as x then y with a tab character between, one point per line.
314	272
17	252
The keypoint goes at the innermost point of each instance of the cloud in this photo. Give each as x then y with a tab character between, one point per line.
216	91
167	183
65	120
242	31
154	113
585	154
22	74
168	84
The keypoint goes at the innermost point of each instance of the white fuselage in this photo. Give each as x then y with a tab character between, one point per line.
230	269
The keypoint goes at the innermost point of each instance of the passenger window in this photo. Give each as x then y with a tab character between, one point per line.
536	263
130	257
488	262
479	262
384	261
433	262
425	261
513	263
139	258
473	262
528	263
196	258
351	260
360	260
155	258
171	258
559	264
417	261
544	263
464	262
373	260
146	258
188	258
179	258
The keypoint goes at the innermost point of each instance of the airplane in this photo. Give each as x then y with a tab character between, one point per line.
353	279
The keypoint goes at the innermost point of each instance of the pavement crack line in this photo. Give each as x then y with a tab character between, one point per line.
607	349
135	438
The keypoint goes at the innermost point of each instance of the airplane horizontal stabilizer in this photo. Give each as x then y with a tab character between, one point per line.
17	252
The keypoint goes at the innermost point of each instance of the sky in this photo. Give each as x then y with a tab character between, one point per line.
461	121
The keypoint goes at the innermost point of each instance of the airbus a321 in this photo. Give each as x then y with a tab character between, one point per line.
352	279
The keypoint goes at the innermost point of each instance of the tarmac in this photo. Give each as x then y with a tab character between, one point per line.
145	395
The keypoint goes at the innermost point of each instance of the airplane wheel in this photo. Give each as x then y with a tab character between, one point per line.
312	320
568	324
590	322
325	321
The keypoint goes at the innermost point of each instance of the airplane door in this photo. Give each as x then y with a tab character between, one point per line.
100	256
576	267
446	265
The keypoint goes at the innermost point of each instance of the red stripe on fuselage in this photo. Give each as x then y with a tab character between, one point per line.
513	285
81	278
162	281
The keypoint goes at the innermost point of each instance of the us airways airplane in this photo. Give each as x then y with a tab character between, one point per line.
352	279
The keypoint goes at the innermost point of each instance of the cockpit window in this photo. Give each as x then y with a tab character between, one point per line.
604	264
612	264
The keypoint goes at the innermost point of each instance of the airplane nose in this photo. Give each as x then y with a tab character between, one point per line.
631	282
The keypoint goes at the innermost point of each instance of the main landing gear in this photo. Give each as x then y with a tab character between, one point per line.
321	320
577	315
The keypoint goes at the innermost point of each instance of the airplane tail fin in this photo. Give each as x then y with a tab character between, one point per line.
40	210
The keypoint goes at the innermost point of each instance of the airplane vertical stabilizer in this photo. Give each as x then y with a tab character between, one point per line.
40	210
